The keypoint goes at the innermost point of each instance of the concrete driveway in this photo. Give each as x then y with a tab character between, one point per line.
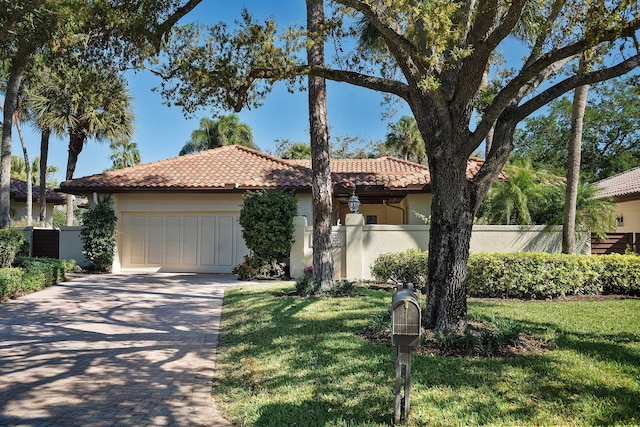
112	350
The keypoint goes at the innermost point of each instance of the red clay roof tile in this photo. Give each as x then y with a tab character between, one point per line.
624	185
234	166
18	190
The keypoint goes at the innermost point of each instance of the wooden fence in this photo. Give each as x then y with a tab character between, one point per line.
615	243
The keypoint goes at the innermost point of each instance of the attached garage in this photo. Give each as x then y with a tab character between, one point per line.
172	232
210	243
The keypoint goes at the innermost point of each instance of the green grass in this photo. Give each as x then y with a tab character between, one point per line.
292	361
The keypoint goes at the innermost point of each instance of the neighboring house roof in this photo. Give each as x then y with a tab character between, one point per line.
625	185
18	190
234	168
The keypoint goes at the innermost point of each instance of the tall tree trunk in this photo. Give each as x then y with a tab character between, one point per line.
320	161
449	237
76	143
44	153
10	104
27	167
456	200
573	163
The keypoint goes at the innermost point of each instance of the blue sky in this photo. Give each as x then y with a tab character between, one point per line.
160	131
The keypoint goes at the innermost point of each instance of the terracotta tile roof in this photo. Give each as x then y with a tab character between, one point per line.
625	185
18	190
236	167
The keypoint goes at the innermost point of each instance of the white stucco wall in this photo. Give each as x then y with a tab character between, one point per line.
362	244
19	212
71	245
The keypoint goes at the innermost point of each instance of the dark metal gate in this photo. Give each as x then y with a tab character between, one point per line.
46	243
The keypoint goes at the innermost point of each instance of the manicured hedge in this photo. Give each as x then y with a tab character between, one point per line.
11	241
526	275
31	275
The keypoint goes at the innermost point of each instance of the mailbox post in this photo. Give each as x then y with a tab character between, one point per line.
405	335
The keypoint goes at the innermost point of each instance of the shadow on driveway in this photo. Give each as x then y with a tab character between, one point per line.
106	350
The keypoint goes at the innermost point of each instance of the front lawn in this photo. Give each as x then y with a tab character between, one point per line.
286	360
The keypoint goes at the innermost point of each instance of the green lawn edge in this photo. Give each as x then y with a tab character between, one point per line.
286	360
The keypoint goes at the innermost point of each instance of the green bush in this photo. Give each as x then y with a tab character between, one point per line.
533	275
32	274
10	281
267	223
98	234
11	242
342	288
306	286
525	275
404	267
253	267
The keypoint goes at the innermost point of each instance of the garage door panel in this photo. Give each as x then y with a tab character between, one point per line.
155	231
207	240
138	239
172	240
190	240
226	231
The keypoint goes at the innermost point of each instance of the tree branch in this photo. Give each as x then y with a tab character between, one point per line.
544	66
164	28
574	81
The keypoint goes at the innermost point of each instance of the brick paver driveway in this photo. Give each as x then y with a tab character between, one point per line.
109	350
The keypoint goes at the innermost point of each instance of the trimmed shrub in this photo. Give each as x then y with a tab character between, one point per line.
10	281
11	243
32	275
267	223
404	267
525	275
619	274
98	234
532	275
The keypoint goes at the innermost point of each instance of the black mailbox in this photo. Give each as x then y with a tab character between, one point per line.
405	317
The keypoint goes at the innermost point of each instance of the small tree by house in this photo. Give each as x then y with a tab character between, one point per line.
267	229
98	234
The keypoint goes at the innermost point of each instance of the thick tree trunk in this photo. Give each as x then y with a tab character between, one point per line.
573	164
10	105
320	161
44	153
450	234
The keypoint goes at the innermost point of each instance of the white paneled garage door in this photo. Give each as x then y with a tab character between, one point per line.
181	242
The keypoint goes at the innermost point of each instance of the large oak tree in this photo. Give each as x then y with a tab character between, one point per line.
440	51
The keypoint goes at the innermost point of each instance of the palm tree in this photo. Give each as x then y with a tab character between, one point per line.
83	102
573	162
297	151
124	154
593	212
214	133
512	201
405	138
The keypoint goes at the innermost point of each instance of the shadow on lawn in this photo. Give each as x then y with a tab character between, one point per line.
345	380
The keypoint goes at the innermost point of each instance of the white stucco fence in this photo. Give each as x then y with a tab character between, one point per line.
356	245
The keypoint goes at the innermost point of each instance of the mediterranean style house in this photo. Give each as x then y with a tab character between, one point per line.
181	214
